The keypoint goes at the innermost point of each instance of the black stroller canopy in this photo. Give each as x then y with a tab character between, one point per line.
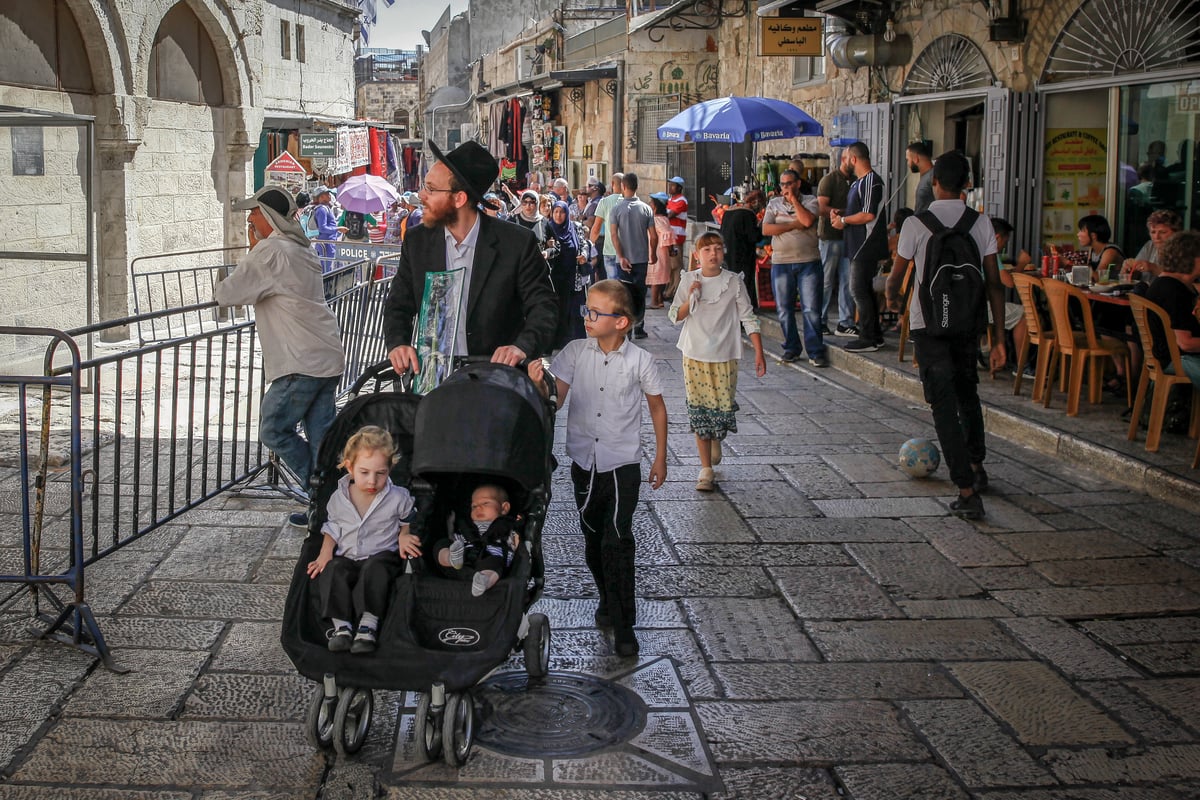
486	419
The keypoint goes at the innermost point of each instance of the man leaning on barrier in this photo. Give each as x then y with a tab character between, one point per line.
301	345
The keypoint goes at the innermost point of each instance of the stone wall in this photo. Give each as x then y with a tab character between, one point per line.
379	100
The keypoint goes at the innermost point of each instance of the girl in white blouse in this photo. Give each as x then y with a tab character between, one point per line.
710	303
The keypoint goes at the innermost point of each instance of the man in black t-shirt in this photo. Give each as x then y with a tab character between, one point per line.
865	225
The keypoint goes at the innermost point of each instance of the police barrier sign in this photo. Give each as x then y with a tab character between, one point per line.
353	251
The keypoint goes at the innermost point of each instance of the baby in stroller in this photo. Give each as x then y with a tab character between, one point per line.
365	536
485	544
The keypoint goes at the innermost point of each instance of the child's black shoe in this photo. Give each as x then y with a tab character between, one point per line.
364	640
339	642
626	642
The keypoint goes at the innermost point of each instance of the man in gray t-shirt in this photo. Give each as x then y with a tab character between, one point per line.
635	240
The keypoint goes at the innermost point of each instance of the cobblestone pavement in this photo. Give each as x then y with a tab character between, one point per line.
818	628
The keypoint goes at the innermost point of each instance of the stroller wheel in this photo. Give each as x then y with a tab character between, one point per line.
352	720
318	724
429	728
458	728
537	646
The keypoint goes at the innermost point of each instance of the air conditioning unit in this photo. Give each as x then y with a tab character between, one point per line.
531	61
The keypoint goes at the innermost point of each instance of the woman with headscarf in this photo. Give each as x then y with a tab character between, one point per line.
528	216
570	272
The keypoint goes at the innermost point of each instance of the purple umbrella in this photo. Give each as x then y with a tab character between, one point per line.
366	193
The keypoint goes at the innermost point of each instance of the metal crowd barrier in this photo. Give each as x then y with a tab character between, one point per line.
158	289
162	428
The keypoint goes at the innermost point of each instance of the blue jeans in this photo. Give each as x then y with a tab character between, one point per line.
807	279
837	272
612	268
289	401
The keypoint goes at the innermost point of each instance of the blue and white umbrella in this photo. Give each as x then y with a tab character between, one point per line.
733	119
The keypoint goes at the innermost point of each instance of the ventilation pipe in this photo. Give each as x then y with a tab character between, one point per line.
868	50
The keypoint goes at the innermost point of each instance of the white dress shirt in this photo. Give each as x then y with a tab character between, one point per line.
710	330
462	256
604	410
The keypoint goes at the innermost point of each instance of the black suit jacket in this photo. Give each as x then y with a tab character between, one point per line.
510	300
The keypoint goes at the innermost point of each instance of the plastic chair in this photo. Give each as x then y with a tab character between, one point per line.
906	292
1080	347
1154	370
1039	334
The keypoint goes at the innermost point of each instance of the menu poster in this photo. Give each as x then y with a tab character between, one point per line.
1073	185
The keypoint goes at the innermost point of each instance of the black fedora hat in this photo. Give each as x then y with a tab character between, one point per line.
473	166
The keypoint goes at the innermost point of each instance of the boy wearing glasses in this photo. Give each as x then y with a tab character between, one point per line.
604	422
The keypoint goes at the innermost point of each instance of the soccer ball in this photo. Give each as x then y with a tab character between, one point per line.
919	457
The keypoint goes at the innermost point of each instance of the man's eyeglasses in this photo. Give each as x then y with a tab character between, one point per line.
425	187
591	314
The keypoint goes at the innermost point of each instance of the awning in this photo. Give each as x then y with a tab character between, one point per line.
767	7
291	120
654	17
578	77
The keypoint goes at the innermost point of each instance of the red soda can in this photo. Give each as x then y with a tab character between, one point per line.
1047	265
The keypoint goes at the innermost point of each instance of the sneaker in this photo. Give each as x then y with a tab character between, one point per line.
981	480
819	361
969	507
706	482
846	330
339	642
626	642
862	346
716	452
298	520
364	640
825	331
789	358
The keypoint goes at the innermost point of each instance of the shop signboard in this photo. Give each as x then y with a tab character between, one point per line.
1076	162
791	36
286	171
318	145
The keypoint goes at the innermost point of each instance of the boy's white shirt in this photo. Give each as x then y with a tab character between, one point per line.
604	406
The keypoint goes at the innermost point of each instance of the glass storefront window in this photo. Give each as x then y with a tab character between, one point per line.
1075	165
1156	150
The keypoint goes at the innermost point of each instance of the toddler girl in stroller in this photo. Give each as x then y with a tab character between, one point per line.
366	532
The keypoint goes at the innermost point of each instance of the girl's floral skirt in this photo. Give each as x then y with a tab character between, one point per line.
710	388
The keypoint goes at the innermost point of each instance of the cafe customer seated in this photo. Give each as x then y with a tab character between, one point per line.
1161	225
1175	292
1095	240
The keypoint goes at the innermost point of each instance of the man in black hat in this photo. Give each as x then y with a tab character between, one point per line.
510	311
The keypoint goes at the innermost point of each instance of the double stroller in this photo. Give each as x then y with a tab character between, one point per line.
486	423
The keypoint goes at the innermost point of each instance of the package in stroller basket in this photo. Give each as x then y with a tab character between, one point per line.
485	425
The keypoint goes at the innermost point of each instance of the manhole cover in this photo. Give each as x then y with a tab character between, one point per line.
561	715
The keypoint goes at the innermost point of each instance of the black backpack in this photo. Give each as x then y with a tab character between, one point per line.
952	290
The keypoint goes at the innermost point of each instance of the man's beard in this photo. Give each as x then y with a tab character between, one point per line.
913	168
444	219
848	170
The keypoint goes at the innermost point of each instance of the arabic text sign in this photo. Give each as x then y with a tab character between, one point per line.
318	145
791	36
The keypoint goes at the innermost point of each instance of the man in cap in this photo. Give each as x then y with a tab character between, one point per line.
509	310
413	201
301	344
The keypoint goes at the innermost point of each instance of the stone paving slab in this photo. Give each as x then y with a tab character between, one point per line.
886	508
1071	652
1158	764
1015	577
193	557
753	783
564	613
1080	793
1071	544
1145	720
766	499
764	555
1040	706
1172	658
912	640
11	791
154	687
833	593
198	754
773	632
1094	600
889	781
215	601
252	647
833	530
974	745
970	548
955	608
706	523
915	571
1116	571
819	482
814	732
279	698
1184	628
834	681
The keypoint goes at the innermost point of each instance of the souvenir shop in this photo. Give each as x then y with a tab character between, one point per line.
526	135
360	150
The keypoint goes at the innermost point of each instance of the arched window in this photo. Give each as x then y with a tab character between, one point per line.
43	47
183	62
949	63
1119	37
400	120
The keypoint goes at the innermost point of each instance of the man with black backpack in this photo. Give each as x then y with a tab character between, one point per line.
953	250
